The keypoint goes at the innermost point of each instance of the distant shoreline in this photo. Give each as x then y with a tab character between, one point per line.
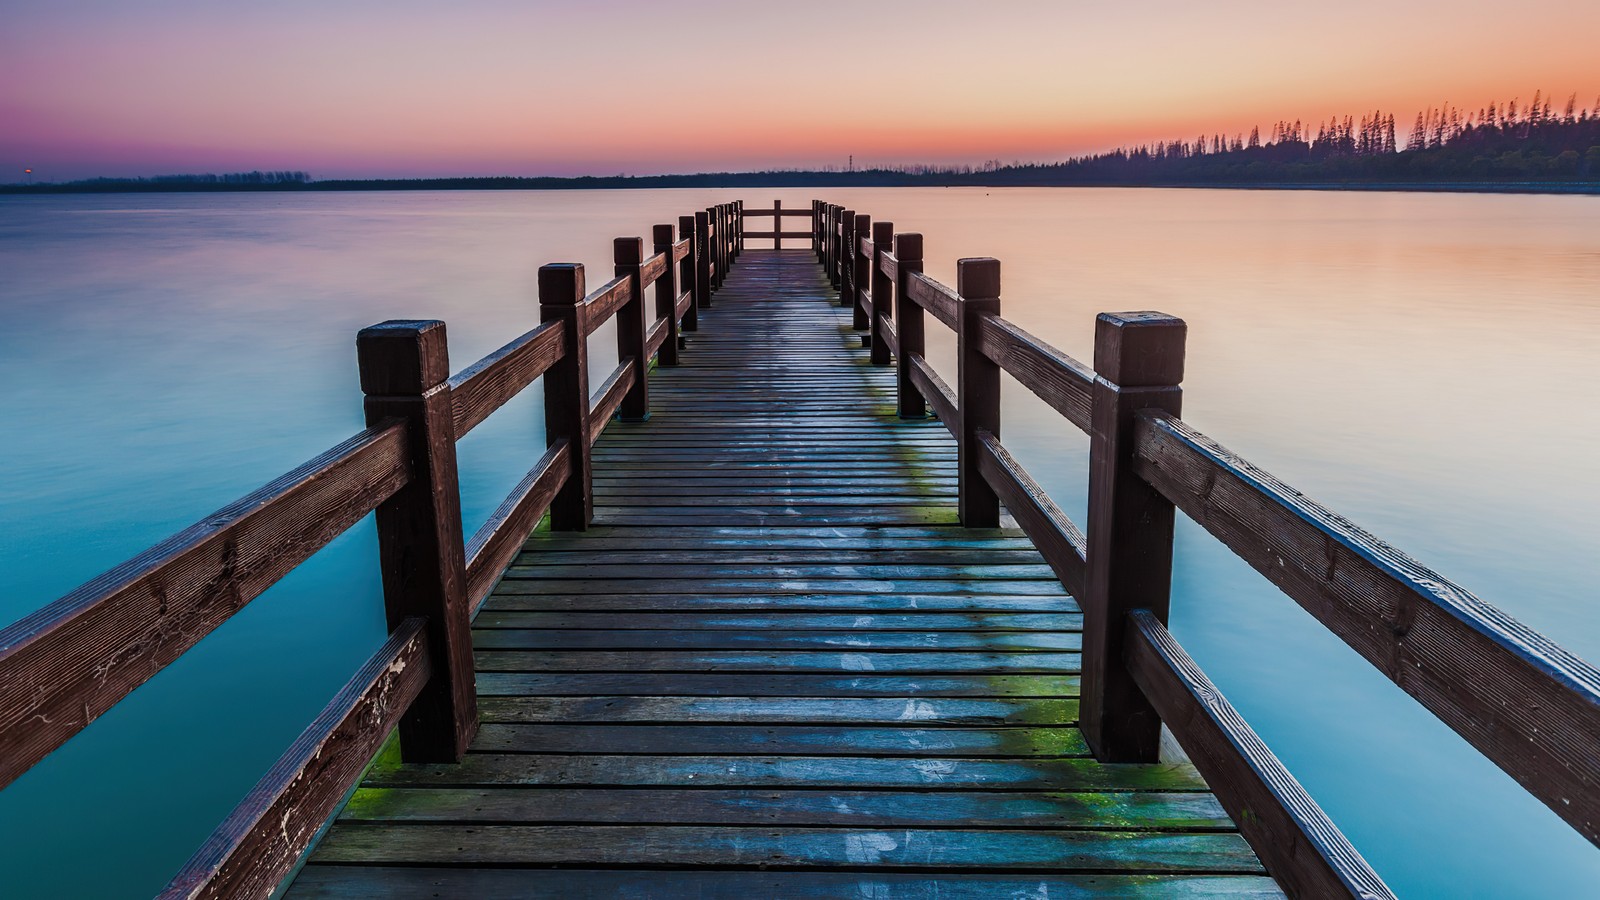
777	181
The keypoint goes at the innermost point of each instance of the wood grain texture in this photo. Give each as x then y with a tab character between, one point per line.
933	297
1062	544
604	303
495	544
1058	379
64	665
487	384
1522	700
1295	839
610	396
936	393
262	839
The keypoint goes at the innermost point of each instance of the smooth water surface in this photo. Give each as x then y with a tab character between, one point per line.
1418	362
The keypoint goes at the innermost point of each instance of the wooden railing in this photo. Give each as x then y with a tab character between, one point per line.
777	214
65	665
1521	700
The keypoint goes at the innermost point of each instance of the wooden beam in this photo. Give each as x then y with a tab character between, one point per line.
566	392
487	384
1522	700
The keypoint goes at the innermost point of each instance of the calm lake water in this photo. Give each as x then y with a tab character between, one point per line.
1418	362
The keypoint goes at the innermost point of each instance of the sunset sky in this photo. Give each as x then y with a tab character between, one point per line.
526	87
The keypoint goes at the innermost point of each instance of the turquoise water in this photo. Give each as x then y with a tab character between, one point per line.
1418	362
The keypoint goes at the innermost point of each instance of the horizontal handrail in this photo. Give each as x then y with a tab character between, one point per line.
603	303
777	234
1526	703
489	383
682	249
1058	379
1295	839
933	297
768	213
258	844
651	269
937	392
497	542
64	665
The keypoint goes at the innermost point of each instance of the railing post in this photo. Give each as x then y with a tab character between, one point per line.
690	273
562	288
702	256
738	228
908	326
831	227
816	229
405	373
883	300
777	224
861	276
633	329
977	388
719	232
662	239
845	259
1138	361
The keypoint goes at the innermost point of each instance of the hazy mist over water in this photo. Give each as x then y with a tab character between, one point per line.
1418	362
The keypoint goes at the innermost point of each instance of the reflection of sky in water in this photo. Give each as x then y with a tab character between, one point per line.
1414	361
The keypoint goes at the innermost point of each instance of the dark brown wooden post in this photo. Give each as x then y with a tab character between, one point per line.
405	374
689	278
977	388
633	329
816	229
777	224
882	291
702	255
845	259
662	238
738	215
1138	360
714	245
566	391
831	227
861	277
908	327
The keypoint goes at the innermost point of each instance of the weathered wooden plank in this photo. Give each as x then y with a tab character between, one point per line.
1049	588
883	569
603	303
933	297
609	399
1058	379
502	536
652	268
1521	699
897	662
1062	544
942	623
64	665
935	392
487	384
918	712
698	684
579	845
771	639
423	883
742	738
262	839
759	602
878	809
1297	842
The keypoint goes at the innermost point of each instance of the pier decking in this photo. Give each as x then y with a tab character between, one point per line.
777	666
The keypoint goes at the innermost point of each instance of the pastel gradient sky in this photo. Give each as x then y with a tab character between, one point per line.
484	87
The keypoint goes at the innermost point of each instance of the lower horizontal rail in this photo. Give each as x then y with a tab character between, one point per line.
256	847
1059	541
611	394
1295	839
938	394
497	543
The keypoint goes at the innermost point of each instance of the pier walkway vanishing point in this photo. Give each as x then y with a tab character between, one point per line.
781	633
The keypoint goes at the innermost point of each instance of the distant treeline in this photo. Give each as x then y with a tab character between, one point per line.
1526	147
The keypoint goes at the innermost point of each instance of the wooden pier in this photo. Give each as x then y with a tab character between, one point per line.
783	633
